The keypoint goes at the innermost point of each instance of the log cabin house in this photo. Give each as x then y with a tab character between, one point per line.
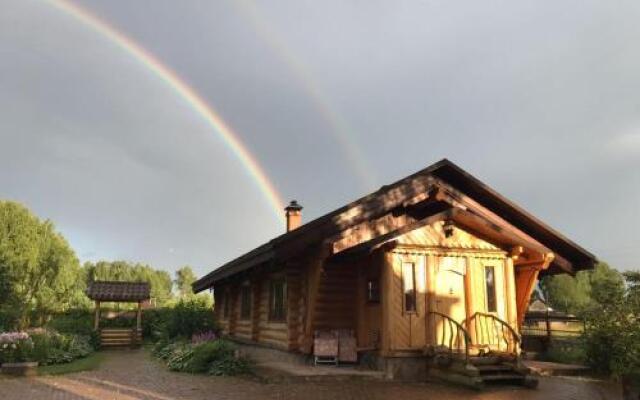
433	274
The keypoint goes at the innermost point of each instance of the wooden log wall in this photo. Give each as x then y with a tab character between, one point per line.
218	309
294	296
243	326
335	306
271	333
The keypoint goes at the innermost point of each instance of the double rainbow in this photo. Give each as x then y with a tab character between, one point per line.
187	93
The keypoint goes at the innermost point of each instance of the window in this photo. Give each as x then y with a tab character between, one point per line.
245	302
409	286
226	304
373	291
490	288
278	301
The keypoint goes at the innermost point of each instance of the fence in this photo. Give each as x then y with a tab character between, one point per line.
542	329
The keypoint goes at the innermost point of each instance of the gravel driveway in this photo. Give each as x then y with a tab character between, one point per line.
134	375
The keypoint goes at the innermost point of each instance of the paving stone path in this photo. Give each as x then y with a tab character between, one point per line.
134	375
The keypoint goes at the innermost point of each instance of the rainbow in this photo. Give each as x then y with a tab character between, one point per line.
340	128
187	93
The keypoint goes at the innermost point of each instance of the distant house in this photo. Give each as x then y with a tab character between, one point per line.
436	264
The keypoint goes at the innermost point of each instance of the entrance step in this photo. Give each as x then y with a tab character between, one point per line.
503	378
495	370
487	368
485	360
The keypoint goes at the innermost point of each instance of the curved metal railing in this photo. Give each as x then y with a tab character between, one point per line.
450	334
488	329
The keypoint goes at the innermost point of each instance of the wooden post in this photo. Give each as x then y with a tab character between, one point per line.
138	325
96	322
548	326
430	327
139	317
510	279
470	308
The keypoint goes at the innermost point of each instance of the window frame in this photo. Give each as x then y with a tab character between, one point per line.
226	305
277	315
245	309
414	288
372	291
494	290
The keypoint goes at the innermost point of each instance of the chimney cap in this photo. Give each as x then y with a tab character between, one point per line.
293	206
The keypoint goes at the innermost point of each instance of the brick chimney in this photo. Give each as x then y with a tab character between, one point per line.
294	215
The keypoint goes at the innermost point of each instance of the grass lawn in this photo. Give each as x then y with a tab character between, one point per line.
92	361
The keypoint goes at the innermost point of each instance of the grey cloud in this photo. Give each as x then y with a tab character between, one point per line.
537	98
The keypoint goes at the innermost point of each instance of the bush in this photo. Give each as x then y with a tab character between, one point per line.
230	367
164	350
55	348
612	336
180	358
571	351
208	352
77	322
8	319
188	317
217	357
154	323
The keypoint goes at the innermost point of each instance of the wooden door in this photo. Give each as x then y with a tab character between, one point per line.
450	293
449	296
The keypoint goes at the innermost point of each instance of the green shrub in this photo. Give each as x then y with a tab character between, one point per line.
55	348
8	319
230	367
217	357
566	351
180	358
154	323
188	317
164	350
78	322
612	336
209	352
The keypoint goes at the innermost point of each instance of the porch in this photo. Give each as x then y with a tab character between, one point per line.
443	303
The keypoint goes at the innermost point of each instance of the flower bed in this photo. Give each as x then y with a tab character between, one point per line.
51	347
16	349
22	352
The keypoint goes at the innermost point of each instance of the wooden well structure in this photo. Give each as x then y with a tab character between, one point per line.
119	292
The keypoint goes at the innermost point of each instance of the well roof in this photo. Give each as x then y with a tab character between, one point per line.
118	291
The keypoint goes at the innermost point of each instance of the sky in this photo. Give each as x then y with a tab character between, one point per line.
539	99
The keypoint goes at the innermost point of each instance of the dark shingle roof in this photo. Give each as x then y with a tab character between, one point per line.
118	291
445	171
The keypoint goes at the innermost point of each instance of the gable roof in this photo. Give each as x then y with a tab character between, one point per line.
391	196
118	291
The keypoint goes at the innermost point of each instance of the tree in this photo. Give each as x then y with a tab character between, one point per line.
612	337
39	266
577	294
184	279
566	293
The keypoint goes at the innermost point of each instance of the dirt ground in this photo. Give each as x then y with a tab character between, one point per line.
133	375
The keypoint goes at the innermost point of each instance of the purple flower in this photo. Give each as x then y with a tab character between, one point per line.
203	337
13	337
